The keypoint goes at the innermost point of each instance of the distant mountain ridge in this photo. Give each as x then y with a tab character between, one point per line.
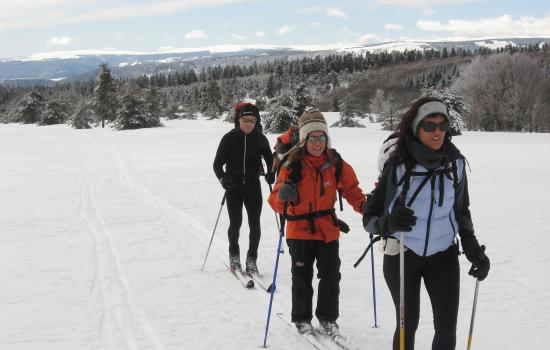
51	67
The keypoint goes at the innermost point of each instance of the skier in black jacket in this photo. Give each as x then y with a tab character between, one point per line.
241	150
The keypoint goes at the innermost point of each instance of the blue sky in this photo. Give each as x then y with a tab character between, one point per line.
34	26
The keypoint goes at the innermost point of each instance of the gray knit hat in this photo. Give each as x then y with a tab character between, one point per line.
310	121
426	110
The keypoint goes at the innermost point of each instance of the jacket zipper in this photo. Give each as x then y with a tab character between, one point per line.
428	225
244	160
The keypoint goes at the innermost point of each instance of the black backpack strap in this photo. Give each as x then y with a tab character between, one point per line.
295	174
338	174
310	217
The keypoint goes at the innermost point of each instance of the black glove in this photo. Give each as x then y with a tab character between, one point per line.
226	182
270	177
400	219
476	255
287	193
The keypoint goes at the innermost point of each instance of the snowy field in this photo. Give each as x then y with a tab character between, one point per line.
103	233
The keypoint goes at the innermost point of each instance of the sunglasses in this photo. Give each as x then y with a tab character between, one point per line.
431	126
320	138
248	121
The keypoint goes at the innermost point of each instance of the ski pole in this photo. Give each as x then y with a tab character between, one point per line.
214	230
401	291
373	283
273	284
473	316
276	218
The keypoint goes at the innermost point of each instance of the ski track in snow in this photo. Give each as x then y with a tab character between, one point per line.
191	226
118	303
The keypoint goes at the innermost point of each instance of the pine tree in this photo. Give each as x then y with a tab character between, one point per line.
31	108
303	99
348	113
270	86
280	113
54	113
105	99
83	117
212	100
335	104
135	112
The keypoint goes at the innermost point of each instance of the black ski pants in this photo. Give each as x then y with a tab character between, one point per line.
249	194
442	281
303	254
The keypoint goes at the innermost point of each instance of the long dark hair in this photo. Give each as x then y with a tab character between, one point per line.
405	133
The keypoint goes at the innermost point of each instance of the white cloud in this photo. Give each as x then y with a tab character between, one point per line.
260	34
499	26
431	26
238	37
284	29
314	24
428	11
165	48
367	39
336	13
422	3
393	26
195	34
59	40
20	14
346	30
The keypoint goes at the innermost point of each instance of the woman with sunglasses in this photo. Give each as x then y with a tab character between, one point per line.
423	192
306	191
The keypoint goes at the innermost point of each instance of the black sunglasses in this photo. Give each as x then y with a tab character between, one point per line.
431	126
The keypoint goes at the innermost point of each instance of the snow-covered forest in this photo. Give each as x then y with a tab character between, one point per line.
493	90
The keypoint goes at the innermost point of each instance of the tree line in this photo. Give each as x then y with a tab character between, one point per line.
508	99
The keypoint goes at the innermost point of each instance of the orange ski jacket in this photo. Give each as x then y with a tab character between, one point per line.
317	195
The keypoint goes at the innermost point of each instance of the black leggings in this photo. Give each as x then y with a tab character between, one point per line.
441	278
249	194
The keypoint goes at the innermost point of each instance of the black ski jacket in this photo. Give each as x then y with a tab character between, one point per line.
236	146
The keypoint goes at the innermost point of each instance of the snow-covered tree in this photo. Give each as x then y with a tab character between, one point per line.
54	113
83	117
280	113
455	104
105	99
303	99
389	117
376	103
134	111
270	86
212	107
348	112
31	108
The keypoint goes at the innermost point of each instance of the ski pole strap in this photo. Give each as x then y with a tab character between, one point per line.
310	217
376	239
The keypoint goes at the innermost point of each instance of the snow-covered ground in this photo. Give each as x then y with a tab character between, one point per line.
103	233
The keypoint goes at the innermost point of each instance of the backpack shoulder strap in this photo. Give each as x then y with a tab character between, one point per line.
295	171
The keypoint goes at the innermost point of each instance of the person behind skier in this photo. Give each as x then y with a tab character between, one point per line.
307	187
240	151
423	192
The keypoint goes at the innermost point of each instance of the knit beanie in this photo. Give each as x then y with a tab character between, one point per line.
313	121
429	109
246	108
